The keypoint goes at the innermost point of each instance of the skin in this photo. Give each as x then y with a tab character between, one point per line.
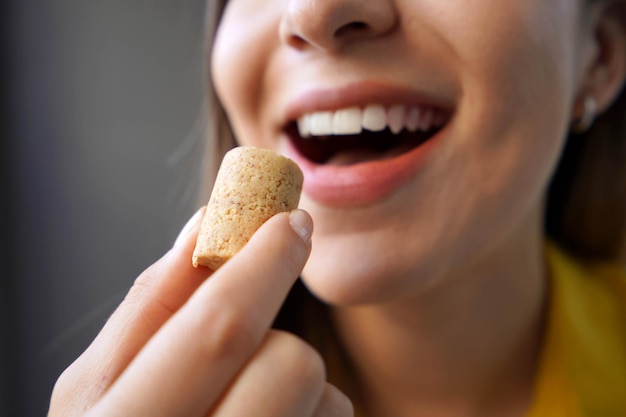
484	181
438	290
182	345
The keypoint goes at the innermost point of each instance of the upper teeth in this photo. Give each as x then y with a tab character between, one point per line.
353	120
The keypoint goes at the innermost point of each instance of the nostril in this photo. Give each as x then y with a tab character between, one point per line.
351	28
296	41
348	30
331	25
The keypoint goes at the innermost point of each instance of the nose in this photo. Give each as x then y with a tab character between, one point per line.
331	25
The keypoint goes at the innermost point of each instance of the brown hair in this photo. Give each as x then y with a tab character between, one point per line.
586	209
219	137
586	201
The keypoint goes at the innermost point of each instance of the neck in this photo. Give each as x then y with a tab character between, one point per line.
467	347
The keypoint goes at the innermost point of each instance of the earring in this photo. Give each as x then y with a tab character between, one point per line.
583	123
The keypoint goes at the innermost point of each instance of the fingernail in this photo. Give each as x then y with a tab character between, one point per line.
189	226
302	224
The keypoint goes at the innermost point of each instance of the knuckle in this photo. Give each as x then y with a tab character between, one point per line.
148	305
149	275
76	390
68	380
336	403
226	332
61	387
142	288
301	360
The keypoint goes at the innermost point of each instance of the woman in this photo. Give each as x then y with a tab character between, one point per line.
429	133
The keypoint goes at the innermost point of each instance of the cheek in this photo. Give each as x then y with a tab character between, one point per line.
518	80
241	52
513	52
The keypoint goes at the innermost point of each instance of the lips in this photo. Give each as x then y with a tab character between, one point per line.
360	144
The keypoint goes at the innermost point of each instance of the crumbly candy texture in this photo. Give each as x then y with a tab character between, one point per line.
252	185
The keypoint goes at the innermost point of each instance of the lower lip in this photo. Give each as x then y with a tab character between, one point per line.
363	183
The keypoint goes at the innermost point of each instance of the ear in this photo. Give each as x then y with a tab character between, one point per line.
605	58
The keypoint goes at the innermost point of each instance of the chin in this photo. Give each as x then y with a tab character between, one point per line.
364	274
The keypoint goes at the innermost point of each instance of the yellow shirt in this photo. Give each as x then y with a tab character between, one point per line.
582	367
582	371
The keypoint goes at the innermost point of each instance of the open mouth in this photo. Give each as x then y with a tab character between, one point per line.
356	135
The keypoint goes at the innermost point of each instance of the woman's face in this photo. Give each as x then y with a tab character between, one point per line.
480	92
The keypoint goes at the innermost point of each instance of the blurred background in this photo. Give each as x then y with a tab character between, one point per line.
97	171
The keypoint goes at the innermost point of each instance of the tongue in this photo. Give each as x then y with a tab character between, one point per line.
354	157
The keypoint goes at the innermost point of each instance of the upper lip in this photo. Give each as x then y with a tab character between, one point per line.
359	95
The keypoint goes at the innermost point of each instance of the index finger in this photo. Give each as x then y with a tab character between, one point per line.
158	292
192	359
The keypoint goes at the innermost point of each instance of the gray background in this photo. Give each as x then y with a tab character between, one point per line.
101	102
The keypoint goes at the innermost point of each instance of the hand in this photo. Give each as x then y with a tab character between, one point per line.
183	345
